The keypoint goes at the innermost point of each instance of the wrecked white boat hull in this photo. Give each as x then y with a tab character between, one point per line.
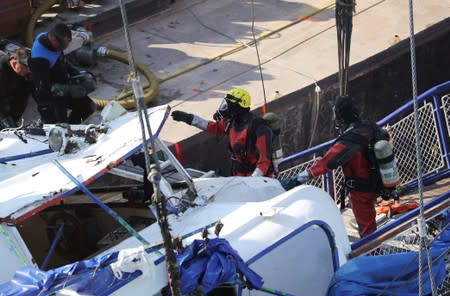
295	240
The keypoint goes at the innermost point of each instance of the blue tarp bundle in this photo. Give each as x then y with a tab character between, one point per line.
88	277
211	264
207	265
395	274
214	263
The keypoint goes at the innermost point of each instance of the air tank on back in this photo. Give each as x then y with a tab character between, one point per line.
387	164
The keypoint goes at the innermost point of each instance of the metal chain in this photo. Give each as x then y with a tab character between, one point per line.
421	220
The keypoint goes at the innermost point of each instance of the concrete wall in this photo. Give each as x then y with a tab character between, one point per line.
379	85
136	10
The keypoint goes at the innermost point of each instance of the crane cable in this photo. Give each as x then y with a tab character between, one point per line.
317	88
421	224
344	24
264	109
154	170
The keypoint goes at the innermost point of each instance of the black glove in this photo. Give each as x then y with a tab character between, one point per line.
7	122
296	180
395	195
68	90
385	196
290	183
389	194
217	116
85	79
182	116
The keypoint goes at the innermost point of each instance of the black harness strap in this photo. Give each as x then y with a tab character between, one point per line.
372	184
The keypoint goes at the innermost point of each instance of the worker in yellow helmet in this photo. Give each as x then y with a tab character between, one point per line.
249	137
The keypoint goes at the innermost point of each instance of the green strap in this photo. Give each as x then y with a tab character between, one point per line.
13	246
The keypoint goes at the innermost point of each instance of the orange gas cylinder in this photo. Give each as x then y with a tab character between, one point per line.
14	16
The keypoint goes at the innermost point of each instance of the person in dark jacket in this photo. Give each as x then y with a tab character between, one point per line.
15	87
56	91
353	158
249	138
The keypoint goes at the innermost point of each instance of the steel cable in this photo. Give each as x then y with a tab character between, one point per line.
158	201
259	60
344	25
421	220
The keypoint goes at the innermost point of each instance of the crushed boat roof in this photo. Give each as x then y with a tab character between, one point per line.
30	185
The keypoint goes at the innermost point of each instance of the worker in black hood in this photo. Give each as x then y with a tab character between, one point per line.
60	97
351	151
249	137
15	87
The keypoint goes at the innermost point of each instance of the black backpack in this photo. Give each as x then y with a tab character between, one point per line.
375	134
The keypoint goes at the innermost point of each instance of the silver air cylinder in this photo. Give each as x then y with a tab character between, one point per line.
387	164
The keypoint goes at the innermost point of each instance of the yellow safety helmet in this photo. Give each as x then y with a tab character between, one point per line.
239	96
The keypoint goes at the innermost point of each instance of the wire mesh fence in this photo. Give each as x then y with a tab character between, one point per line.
445	101
409	241
403	138
434	140
318	182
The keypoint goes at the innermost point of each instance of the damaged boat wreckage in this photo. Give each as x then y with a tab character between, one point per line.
64	233
237	232
262	224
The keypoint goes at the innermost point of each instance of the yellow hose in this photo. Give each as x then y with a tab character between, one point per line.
29	31
127	100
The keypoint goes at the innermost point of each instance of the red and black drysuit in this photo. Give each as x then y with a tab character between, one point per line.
249	143
350	150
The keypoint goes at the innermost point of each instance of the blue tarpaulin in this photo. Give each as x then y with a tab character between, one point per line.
395	274
208	265
88	277
212	264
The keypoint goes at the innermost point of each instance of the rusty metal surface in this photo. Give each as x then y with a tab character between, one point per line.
14	15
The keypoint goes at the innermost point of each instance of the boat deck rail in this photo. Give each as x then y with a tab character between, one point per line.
400	234
434	112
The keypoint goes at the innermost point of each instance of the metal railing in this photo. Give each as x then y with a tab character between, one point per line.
402	235
434	115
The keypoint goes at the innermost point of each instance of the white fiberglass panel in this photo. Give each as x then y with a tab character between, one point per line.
28	183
